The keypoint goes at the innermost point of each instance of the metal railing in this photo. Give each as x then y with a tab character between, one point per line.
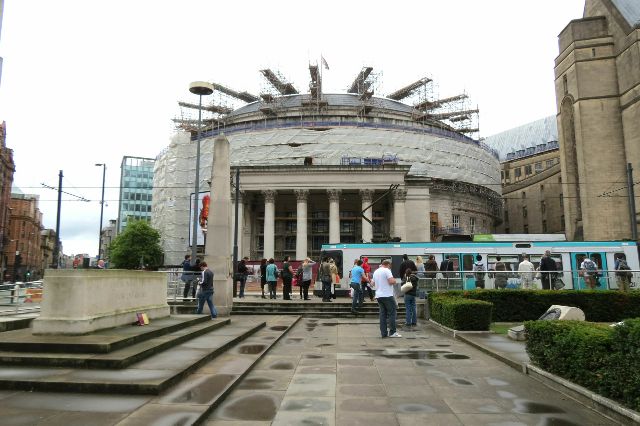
20	295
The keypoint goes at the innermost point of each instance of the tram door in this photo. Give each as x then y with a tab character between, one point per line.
601	261
469	278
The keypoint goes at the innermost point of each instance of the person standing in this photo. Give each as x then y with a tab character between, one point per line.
335	277
547	270
357	275
325	277
623	273
431	267
206	291
420	266
287	277
501	276
307	276
188	277
263	275
411	310
479	272
589	269
366	285
272	278
384	282
526	270
241	275
406	264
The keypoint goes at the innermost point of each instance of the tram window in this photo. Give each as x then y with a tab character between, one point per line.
374	261
467	262
510	261
598	259
579	258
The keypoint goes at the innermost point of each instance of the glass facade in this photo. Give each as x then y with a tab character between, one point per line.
136	187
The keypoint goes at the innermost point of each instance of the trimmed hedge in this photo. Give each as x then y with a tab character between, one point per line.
460	313
524	305
601	358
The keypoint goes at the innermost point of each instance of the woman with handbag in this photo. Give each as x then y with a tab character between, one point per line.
410	288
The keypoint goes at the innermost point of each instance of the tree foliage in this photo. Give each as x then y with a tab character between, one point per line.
138	246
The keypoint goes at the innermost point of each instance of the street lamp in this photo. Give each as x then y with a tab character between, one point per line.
104	171
200	88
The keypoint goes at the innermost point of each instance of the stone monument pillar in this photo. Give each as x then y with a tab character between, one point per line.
218	248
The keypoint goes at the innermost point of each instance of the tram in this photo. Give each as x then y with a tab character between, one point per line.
567	255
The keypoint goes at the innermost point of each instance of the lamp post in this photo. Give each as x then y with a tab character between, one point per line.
200	88
104	171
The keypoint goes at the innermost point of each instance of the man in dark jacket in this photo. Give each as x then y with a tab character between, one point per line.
547	270
241	275
206	291
405	265
447	267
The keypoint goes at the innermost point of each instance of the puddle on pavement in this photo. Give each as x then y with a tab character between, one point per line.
204	391
269	338
278	327
424	364
532	407
443	346
310	329
292	340
496	382
416	408
252	407
281	365
557	421
313	356
455	356
461	382
307	405
251	349
256	383
324	344
329	324
405	354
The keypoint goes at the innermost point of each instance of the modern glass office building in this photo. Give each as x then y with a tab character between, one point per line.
136	187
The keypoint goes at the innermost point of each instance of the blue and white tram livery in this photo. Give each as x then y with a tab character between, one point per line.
567	255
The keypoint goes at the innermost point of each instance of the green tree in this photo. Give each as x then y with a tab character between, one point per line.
138	245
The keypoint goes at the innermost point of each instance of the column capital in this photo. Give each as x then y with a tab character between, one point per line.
241	195
269	195
400	194
301	194
334	194
366	195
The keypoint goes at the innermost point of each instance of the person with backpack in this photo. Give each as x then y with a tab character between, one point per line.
589	270
501	277
479	272
526	270
623	273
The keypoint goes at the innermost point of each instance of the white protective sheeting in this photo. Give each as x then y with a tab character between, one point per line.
429	155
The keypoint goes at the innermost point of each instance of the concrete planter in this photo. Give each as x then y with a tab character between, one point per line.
78	302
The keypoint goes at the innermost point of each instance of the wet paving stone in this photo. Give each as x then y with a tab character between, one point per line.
278	327
457	381
251	349
282	365
455	356
533	407
255	383
254	407
201	391
307	404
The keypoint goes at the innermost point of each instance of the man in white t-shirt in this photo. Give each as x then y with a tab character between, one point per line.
526	270
384	281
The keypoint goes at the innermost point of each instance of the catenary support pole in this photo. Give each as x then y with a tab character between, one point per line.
235	233
56	250
632	203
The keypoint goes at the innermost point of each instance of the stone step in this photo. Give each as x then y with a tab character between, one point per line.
150	376
10	323
103	341
318	314
117	359
191	401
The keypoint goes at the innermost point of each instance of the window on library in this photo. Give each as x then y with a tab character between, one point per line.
290	243
562	223
318	240
524	211
506	174
524	194
561	200
526	229
538	167
543	206
549	163
527	169
518	172
506	216
291	226
544	226
472	225
347	227
319	226
347	213
455	220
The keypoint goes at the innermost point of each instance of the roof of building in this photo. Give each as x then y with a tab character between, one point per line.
524	137
630	10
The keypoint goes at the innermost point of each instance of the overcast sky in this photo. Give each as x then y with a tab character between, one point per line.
88	82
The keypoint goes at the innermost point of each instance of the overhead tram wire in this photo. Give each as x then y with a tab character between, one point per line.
64	192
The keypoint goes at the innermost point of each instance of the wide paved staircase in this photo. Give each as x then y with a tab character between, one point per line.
183	364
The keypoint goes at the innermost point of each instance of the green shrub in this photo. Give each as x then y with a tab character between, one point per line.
601	358
519	305
459	313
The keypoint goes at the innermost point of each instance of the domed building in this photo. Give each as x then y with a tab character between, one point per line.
320	168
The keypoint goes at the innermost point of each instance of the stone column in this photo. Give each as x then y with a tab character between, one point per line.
301	225
218	250
366	195
240	221
269	223
399	214
334	215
